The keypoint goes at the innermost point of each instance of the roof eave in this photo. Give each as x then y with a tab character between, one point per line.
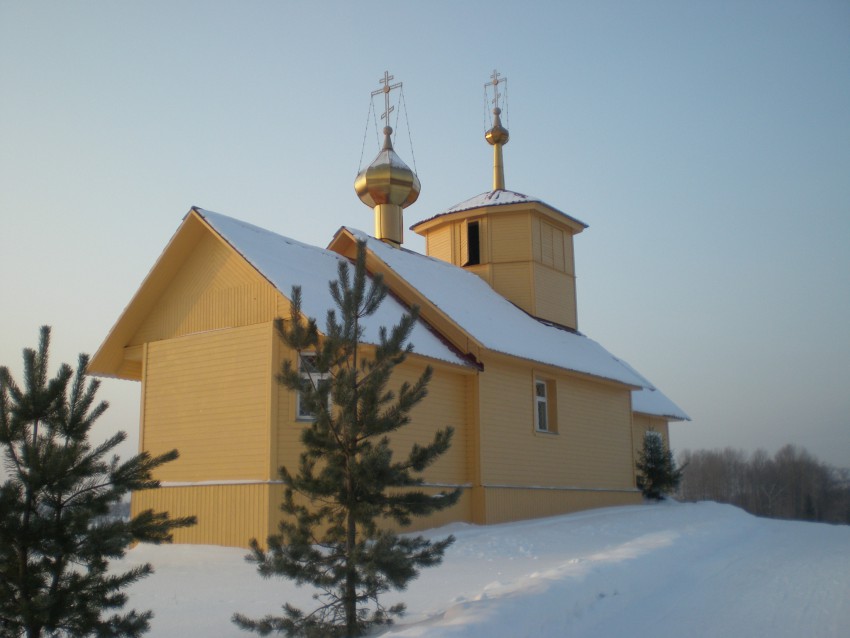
574	224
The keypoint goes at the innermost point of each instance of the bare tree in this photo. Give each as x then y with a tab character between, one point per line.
792	484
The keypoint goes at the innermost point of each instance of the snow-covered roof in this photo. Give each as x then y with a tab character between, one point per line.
653	402
496	198
286	262
495	322
650	400
465	298
492	198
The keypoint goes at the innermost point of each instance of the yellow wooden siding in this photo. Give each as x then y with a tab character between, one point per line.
208	396
287	430
548	244
229	515
569	255
597	429
507	425
592	447
505	505
214	288
554	296
514	281
460	244
445	405
559	261
131	370
509	237
439	243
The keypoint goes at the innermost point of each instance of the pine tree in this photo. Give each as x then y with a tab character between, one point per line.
347	480
56	538
658	474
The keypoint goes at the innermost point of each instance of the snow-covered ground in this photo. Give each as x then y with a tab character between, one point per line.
655	570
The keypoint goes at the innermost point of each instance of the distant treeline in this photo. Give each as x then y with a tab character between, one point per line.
792	484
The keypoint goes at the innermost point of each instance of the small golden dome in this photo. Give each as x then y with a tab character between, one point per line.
498	134
387	180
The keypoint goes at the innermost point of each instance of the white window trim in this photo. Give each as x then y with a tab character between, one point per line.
544	401
314	378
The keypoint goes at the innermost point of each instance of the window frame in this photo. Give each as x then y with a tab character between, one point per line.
311	377
549	403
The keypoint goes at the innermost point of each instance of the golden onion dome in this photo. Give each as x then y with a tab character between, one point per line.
387	180
498	134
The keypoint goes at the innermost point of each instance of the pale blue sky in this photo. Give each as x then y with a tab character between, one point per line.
707	145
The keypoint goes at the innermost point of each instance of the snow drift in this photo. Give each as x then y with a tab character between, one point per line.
655	570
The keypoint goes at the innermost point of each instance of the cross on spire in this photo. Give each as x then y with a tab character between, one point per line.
386	91
495	79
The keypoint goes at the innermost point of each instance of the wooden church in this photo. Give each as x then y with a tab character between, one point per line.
546	420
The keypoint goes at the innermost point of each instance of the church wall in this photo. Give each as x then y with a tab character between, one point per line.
552	246
228	514
589	449
445	405
595	419
553	273
511	504
514	281
509	237
554	296
439	243
208	396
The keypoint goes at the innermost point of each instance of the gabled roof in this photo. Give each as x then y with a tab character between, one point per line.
283	262
286	263
500	198
653	402
493	321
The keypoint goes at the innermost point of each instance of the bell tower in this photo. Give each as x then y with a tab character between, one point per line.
518	244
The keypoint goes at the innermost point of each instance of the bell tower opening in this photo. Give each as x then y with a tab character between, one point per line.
473	244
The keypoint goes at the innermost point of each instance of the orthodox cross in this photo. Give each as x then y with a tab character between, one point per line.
386	91
496	79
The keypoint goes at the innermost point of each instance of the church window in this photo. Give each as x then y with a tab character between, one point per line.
309	377
545	417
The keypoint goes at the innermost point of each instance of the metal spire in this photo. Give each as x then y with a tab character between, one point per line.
497	136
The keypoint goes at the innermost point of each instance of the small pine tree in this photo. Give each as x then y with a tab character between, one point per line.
56	538
658	474
347	479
